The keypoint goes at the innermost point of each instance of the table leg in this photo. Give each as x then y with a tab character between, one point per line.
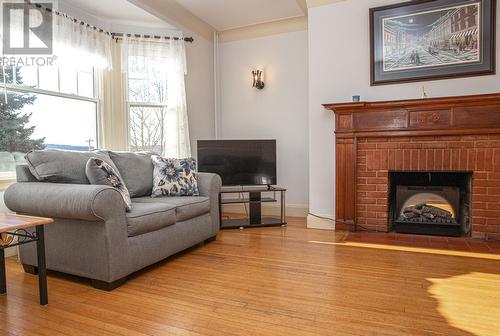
42	270
3	280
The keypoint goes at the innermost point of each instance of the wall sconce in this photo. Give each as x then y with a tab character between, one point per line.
258	83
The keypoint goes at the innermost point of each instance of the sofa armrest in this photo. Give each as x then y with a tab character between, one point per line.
72	201
209	186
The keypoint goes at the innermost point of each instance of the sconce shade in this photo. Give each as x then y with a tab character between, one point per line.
258	83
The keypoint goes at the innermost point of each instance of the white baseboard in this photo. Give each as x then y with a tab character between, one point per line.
271	209
325	223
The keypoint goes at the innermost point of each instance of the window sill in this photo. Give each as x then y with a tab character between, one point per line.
6	179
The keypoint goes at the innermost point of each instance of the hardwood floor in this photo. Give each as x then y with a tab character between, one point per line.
275	281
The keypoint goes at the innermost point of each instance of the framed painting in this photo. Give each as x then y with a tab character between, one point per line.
432	39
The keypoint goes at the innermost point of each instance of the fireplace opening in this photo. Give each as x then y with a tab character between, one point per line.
434	203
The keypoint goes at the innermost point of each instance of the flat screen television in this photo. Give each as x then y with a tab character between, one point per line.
239	162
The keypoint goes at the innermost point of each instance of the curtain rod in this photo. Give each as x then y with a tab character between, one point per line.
113	35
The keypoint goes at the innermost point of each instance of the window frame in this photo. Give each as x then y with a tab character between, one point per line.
129	104
28	89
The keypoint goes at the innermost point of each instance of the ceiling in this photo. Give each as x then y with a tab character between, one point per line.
229	14
118	11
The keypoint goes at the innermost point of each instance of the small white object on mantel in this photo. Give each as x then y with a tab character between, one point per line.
424	93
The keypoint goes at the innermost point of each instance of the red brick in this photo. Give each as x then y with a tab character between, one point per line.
438	159
362	200
391	160
455	159
406	159
365	146
376	208
409	145
482	183
377	194
478	220
399	159
484	198
479	190
367	174
481	175
414	158
430	159
479	206
367	187
447	160
377	140
493	221
494	176
388	145
382	187
487	213
463	159
488	144
496	158
383	173
493	206
471	161
494	191
475	137
488	160
480	159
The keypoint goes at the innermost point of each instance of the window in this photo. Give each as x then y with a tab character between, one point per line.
48	107
147	103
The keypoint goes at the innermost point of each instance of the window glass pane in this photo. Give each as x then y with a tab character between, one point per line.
68	82
147	80
28	76
146	128
49	78
58	123
7	74
86	83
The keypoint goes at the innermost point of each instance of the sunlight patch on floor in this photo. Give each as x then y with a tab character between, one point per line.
466	301
412	249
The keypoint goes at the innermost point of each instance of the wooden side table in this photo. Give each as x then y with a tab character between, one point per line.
12	226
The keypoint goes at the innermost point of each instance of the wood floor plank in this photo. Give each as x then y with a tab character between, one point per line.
277	281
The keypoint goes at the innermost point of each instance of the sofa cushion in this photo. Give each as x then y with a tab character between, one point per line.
136	169
174	177
100	173
149	217
53	165
185	207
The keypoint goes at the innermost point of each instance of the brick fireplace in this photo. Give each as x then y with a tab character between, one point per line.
454	134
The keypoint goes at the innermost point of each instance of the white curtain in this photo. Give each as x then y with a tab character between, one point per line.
80	45
169	58
74	44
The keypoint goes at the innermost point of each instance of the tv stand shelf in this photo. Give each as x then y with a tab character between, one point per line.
255	199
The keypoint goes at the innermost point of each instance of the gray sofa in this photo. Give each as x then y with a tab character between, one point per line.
94	237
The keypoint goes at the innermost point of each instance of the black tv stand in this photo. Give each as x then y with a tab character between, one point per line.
254	199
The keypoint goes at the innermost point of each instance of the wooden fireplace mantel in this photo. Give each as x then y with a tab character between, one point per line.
477	114
447	116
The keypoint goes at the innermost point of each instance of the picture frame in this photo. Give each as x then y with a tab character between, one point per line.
425	40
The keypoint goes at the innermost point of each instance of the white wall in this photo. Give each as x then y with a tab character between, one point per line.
279	111
200	90
339	67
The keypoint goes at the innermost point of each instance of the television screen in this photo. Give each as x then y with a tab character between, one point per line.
239	162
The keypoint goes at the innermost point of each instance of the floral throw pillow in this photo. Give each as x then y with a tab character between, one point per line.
101	173
174	177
